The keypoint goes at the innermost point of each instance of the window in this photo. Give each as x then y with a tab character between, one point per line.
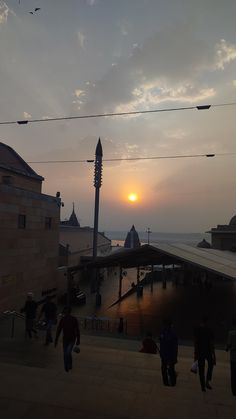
48	223
21	221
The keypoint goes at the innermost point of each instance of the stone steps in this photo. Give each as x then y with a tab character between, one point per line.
108	381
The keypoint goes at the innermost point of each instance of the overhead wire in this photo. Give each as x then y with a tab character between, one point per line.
134	158
111	114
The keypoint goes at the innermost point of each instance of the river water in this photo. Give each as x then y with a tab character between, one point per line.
185	304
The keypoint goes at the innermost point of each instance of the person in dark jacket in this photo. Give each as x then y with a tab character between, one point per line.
231	346
204	351
168	353
71	336
49	311
30	310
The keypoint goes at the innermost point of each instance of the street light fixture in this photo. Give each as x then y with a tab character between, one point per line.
148	234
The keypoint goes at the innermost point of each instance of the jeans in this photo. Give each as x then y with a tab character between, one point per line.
201	367
67	351
233	377
168	373
49	324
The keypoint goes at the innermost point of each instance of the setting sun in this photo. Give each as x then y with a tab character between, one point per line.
132	197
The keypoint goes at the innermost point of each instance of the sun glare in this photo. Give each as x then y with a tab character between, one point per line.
132	197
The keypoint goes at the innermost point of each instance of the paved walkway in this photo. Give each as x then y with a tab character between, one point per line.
110	379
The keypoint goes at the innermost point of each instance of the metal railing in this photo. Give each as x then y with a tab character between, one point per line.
87	323
12	315
103	324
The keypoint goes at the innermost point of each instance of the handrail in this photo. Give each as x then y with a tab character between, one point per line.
14	313
11	314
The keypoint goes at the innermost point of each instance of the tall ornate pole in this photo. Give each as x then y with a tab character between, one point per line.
97	185
148	234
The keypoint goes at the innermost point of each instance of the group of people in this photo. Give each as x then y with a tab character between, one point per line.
204	351
68	325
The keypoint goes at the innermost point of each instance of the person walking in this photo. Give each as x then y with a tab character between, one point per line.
49	310
204	351
71	336
168	353
30	310
231	346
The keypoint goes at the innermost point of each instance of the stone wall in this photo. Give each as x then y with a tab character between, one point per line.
28	256
20	181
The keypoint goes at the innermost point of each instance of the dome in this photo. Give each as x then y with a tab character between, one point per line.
132	239
233	221
204	244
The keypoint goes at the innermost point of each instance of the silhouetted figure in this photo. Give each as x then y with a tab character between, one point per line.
168	353
49	310
30	310
71	336
149	345
231	346
204	351
121	325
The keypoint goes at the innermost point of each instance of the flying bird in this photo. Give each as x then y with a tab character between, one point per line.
35	10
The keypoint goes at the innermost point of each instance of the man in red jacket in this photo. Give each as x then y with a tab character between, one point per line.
71	336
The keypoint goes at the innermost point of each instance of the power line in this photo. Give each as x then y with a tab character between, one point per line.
102	115
135	158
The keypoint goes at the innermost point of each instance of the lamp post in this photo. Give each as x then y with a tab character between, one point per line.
97	185
148	234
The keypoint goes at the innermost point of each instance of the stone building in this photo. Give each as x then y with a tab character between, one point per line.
29	231
223	237
77	241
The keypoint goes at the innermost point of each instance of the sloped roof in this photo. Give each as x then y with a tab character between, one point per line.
73	220
11	161
204	244
219	262
132	239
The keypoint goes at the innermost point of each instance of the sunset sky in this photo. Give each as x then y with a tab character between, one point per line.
79	57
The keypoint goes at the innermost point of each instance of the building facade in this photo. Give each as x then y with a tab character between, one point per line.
223	237
77	241
29	229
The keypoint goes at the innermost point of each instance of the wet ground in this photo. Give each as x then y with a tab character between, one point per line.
185	304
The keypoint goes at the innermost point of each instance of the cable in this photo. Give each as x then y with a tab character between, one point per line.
135	158
67	118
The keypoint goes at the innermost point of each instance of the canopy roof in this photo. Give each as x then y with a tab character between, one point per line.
220	262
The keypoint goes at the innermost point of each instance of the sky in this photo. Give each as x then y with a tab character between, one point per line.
96	56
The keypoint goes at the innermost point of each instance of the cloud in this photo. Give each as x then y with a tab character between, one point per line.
81	38
147	97
79	92
225	53
27	115
124	26
91	2
4	12
168	66
234	83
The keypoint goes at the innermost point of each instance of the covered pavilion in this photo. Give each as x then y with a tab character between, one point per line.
193	261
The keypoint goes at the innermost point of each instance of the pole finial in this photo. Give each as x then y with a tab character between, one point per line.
99	151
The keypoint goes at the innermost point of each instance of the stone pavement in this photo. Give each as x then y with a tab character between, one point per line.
110	379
